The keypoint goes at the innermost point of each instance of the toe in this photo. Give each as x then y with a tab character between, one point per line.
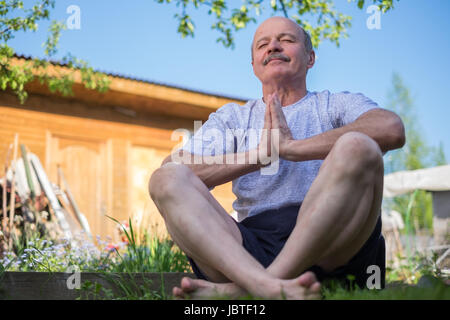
313	296
315	287
177	293
186	284
313	292
307	279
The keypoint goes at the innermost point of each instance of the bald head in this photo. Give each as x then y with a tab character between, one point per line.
300	31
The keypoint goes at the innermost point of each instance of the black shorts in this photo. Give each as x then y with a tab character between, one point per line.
265	234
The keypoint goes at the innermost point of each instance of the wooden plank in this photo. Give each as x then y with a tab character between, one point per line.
73	205
67	123
33	126
75	225
121	168
53	201
4	208
13	190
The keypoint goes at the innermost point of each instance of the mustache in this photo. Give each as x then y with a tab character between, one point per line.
276	56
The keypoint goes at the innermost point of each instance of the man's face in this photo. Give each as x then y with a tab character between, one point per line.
279	52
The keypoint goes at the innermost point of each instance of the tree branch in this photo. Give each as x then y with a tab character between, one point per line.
283	7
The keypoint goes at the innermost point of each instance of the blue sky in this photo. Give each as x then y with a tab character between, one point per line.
139	39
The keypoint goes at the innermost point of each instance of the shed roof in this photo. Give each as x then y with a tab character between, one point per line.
134	78
138	94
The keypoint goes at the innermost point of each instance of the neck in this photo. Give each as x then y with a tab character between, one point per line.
288	94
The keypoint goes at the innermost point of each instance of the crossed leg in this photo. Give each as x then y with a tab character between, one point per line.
337	216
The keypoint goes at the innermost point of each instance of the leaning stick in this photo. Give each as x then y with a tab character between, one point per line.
72	202
397	241
8	154
26	164
12	197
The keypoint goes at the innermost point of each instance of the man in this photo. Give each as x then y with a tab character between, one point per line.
317	217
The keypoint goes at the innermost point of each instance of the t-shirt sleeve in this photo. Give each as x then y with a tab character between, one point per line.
346	107
213	137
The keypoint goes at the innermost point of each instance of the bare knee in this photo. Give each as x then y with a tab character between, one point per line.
166	180
357	153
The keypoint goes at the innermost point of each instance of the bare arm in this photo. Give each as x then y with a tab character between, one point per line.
217	170
384	126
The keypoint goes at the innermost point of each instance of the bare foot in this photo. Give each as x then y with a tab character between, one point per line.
304	287
202	289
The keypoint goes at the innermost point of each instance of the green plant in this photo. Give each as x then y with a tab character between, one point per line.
439	291
318	17
152	255
416	209
121	286
126	274
17	16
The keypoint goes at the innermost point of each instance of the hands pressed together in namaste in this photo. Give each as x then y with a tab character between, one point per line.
276	136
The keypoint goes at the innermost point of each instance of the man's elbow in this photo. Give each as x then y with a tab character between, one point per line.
178	157
396	130
166	160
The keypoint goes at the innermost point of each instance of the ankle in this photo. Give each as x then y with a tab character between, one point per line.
267	287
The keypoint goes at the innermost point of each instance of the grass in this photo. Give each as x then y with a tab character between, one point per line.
436	289
151	255
418	277
122	266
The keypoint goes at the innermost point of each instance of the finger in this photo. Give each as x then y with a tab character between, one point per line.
267	116
278	115
275	108
278	108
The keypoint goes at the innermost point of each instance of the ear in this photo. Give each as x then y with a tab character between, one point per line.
311	59
253	68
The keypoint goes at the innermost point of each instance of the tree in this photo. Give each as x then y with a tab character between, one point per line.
318	17
14	18
416	154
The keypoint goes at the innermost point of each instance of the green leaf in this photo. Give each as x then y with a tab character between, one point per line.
273	4
360	4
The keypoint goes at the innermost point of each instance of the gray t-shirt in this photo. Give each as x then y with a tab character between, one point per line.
232	129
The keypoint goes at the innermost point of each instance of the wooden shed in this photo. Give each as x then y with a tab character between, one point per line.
107	144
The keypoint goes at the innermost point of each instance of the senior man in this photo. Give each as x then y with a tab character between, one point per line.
317	216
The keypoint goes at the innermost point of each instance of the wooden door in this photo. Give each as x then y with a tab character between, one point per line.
145	215
144	161
85	165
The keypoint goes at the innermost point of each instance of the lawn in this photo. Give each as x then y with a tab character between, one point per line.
121	264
